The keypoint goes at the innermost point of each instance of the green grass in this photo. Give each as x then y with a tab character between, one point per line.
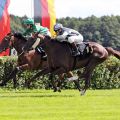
67	105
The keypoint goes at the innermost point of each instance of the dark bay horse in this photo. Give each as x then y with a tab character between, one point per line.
31	60
61	61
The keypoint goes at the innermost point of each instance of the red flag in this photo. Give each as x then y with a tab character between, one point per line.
4	22
45	12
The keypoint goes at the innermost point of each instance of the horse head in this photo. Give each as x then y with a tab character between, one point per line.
11	40
6	42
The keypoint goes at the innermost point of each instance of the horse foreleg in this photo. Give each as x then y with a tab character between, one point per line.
40	73
15	71
76	80
14	82
60	72
11	76
54	86
60	81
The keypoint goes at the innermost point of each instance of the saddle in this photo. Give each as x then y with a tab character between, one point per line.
84	49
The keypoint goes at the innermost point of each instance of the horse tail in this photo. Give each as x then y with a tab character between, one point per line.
113	52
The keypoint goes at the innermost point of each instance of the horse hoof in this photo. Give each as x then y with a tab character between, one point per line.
74	78
27	85
59	90
82	92
55	90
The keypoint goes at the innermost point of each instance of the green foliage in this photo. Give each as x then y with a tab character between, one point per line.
104	30
105	76
17	23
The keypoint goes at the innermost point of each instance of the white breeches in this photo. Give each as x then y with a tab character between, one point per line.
76	39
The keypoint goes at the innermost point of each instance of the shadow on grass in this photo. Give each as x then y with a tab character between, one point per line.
34	96
15	91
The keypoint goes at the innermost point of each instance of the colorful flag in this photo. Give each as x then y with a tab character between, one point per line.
4	22
44	13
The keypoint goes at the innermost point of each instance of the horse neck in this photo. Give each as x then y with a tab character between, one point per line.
52	45
47	46
18	45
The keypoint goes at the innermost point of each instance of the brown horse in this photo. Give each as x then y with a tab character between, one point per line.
61	61
26	61
31	60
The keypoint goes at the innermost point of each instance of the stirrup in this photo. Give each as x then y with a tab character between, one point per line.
74	78
75	53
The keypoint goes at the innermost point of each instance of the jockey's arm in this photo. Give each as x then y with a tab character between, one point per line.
62	37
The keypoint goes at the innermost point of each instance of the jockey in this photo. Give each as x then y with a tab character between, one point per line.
31	29
68	35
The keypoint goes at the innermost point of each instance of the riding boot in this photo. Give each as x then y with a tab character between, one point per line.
75	50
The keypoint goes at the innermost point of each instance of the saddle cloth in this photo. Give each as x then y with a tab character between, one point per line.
84	49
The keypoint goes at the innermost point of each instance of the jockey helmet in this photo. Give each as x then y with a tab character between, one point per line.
29	21
58	27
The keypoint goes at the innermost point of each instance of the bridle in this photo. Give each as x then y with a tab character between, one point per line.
10	39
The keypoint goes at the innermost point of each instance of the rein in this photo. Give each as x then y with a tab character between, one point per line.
11	43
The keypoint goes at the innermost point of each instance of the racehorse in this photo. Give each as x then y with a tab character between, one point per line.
26	61
31	60
61	61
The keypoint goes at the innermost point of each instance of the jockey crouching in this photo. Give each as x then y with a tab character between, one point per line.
68	35
31	30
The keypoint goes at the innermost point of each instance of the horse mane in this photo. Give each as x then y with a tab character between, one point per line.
54	40
19	36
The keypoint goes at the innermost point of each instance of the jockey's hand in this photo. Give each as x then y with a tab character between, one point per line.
34	35
41	36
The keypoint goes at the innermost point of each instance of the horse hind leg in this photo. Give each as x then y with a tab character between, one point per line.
111	51
88	72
